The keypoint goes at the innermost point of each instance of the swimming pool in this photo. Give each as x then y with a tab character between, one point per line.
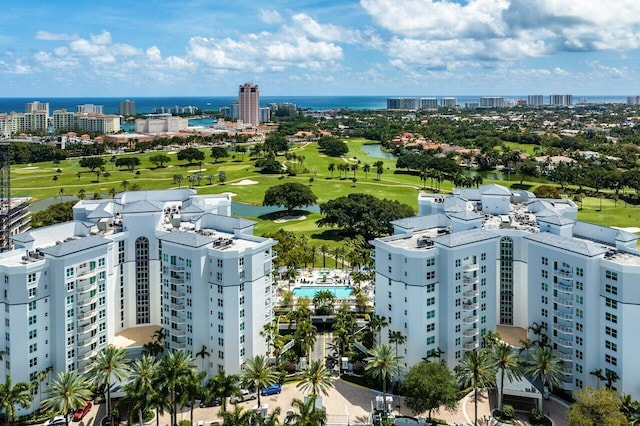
339	291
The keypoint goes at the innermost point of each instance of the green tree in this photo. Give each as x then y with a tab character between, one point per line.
67	392
428	386
306	414
223	386
546	366
384	364
173	369
92	163
203	353
594	407
508	364
218	152
108	365
129	162
397	338
290	195
256	373
160	159
376	324
12	395
527	168
191	155
222	177
141	390
476	369
238	417
315	379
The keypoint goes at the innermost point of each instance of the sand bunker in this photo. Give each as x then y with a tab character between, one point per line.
289	218
246	182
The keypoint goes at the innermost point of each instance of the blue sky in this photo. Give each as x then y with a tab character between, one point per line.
307	47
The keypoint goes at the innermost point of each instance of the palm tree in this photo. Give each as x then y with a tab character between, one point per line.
272	419
366	168
315	379
239	417
397	338
307	415
598	374
476	369
67	392
41	376
611	377
141	391
385	364
332	167
508	363
203	353
223	386
125	185
192	388
545	365
173	369
376	324
12	395
109	364
256	373
324	249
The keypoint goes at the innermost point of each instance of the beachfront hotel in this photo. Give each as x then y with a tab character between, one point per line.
494	259
123	269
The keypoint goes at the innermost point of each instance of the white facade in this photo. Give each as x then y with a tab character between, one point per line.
167	259
87	122
485	257
161	124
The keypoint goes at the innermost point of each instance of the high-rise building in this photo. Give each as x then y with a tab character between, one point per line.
561	100
428	103
127	108
410	104
535	100
448	102
494	259
249	103
633	100
492	102
125	268
99	123
37	106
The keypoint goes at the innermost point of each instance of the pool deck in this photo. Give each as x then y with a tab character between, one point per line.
335	278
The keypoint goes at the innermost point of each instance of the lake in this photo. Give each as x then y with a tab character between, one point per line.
376	151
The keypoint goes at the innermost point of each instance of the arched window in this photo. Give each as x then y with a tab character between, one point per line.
142	281
506	281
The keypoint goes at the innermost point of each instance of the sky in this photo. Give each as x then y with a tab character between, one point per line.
319	47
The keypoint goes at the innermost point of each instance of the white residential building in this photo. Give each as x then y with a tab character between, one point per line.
127	267
161	123
87	122
489	258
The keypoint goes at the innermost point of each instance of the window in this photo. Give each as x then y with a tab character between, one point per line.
545	287
242	339
611	289
431	340
33	291
431	327
458	315
458	341
32	305
483	294
483	256
458	289
458	276
611	346
458	263
579	286
579	354
579	313
431	288
70	272
544	313
483	269
32	319
220	302
102	340
545	261
219	276
242	300
611	317
242	352
579	326
579	300
33	348
580	272
101	261
610	359
545	274
70	286
69	299
389	295
611	332
220	328
431	301
431	314
33	362
611	303
33	334
69	313
242	326
70	326
613	276
220	341
579	341
457	328
431	261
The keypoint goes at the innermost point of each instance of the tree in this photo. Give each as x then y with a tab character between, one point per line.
92	163
108	365
397	338
363	214
222	177
173	369
332	168
366	169
67	392
596	407
12	395
508	364
546	366
129	162
384	364
428	386
210	178
306	414
238	417
82	193
223	386
332	146
276	143
218	152
527	168
290	195
256	373
476	369
203	353
315	379
160	159
177	179
191	155
141	390
376	324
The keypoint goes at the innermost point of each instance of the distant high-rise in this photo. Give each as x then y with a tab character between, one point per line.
249	103
561	100
633	100
127	108
36	106
428	103
90	109
448	102
535	100
492	102
410	104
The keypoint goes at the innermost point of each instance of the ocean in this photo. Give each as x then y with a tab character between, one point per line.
147	104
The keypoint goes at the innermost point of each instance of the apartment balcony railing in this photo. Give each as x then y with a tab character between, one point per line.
88	342
471	293
470	346
563	342
566	317
562	329
564	302
87	302
470	319
470	280
86	315
470	306
471	332
470	268
87	327
563	274
565	288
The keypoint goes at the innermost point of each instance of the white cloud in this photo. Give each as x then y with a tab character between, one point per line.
560	71
326	32
270	16
45	35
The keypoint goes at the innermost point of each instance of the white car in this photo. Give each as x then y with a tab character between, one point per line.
57	420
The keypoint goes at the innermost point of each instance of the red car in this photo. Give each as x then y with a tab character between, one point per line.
81	412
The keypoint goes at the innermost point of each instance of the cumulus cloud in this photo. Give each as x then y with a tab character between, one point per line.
271	17
502	30
46	35
326	32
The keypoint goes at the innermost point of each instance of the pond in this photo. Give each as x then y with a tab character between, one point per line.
376	151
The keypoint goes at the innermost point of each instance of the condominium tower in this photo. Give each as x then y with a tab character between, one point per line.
249	103
494	259
123	269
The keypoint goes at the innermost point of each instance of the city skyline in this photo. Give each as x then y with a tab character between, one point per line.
377	47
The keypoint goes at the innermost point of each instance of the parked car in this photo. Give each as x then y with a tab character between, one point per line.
57	420
271	390
81	412
243	395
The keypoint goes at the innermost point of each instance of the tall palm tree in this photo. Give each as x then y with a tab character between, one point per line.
306	414
223	386
508	363
315	379
376	324
67	392
173	369
203	353
382	362
545	365
192	388
108	365
476	369
397	338
12	395
324	249
272	419
141	391
238	417
256	373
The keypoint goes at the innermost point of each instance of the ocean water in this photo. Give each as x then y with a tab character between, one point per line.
147	104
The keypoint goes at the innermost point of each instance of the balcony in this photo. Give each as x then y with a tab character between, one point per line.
470	306
176	280
565	288
471	293
87	302
561	273
177	345
563	342
567	371
566	317
562	329
86	273
470	319
87	356
87	315
177	294
471	332
470	346
470	268
177	306
87	342
563	302
178	332
470	280
86	288
176	267
88	327
565	357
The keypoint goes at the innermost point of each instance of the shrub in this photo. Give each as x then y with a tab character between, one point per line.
184	423
535	416
508	411
358	367
289	367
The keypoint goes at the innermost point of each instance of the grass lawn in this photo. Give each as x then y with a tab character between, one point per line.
37	181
